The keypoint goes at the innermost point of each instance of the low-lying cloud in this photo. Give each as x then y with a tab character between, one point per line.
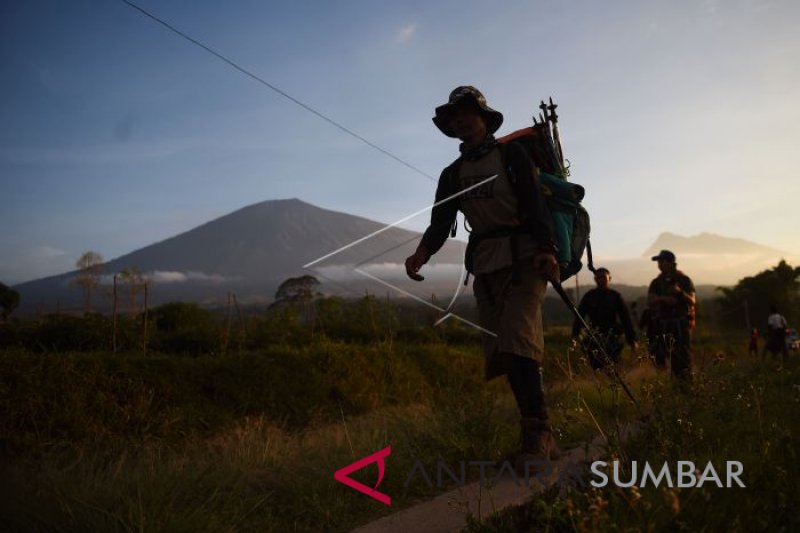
391	271
165	277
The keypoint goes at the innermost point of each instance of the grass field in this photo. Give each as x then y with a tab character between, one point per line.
249	441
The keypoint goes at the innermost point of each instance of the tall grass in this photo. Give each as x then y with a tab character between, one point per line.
242	442
738	409
248	440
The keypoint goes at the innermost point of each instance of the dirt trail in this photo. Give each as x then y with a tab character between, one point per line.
448	512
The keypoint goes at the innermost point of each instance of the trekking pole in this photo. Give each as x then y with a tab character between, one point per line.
549	146
548	123
556	134
543	107
609	363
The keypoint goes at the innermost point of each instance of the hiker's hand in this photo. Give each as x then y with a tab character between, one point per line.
414	263
547	266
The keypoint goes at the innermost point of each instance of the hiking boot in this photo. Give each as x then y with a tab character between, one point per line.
538	444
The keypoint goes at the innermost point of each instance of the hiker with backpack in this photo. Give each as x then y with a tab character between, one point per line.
671	298
605	311
511	253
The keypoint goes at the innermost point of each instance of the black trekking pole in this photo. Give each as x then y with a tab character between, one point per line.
556	134
548	122
609	363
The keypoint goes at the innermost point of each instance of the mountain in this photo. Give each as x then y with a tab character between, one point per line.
249	252
710	244
707	258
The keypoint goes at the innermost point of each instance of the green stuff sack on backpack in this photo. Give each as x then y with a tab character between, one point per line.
570	219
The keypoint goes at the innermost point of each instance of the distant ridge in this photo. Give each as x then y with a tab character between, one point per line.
709	244
249	251
707	258
252	250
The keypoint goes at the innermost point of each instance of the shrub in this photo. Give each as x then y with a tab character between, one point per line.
185	328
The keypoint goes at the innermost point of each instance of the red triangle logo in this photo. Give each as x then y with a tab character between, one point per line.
379	457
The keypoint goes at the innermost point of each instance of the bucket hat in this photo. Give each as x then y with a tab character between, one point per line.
466	94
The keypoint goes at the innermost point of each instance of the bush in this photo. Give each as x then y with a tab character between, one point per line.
185	328
61	333
279	327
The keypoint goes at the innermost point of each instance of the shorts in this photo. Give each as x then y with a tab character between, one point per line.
513	313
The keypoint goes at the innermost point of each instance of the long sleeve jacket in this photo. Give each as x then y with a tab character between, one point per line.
606	311
532	209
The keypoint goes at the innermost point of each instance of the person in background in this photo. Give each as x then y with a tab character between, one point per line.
605	311
776	334
752	348
671	298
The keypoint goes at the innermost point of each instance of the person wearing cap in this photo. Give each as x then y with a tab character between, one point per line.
510	252
671	298
605	311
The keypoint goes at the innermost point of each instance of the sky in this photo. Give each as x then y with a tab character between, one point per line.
678	116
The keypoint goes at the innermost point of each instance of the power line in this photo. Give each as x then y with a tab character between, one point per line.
277	90
414	237
393	224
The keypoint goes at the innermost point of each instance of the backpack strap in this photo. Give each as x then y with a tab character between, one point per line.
590	266
511	232
452	172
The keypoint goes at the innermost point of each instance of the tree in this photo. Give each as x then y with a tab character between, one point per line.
755	295
9	300
300	289
90	267
134	280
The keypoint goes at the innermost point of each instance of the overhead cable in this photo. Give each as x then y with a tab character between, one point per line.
278	90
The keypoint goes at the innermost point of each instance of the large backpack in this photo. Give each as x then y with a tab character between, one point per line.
570	219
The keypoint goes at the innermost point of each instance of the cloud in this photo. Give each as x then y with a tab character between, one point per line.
165	277
162	276
406	33
390	271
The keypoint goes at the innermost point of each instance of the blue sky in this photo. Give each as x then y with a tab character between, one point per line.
677	116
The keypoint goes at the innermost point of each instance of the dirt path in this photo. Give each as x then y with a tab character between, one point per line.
448	512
